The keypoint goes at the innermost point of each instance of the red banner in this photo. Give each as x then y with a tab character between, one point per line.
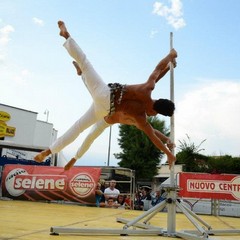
27	182
214	186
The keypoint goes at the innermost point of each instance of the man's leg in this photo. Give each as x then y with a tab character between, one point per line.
88	119
96	130
96	87
91	79
42	155
79	71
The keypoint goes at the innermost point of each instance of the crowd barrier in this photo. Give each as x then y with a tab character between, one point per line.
49	183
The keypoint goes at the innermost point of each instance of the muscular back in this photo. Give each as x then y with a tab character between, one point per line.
136	104
140	92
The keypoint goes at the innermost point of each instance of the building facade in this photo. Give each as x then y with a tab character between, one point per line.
21	134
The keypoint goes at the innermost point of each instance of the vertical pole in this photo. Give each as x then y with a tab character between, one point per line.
172	133
47	113
109	145
171	229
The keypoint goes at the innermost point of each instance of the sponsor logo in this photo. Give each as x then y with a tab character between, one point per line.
10	179
82	185
18	181
3	128
4	116
215	186
6	130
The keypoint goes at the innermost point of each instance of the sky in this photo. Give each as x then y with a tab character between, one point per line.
125	40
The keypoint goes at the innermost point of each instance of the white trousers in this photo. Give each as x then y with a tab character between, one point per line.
100	93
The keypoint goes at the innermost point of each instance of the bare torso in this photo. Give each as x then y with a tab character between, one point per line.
135	106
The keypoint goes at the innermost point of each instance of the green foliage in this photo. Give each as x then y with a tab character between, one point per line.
190	157
224	164
193	161
138	152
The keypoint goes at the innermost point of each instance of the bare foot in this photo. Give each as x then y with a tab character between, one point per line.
63	30
42	155
70	164
76	65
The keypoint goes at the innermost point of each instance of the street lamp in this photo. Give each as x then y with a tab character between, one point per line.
46	113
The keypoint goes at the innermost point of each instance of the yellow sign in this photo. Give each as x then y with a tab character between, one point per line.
3	127
10	131
6	130
4	116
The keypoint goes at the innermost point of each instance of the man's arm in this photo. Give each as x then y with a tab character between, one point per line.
162	68
154	136
165	139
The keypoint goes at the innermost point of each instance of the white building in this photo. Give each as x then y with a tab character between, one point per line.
21	134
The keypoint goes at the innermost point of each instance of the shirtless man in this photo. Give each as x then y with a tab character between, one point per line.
114	103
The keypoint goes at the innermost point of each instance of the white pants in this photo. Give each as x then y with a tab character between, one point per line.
100	93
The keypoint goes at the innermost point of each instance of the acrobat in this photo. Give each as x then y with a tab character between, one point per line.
114	103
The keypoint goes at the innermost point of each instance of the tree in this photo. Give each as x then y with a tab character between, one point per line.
190	157
138	152
224	164
193	161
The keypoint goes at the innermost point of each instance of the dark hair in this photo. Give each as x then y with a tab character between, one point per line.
164	107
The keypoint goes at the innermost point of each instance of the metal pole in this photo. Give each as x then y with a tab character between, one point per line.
171	229
46	113
172	135
109	145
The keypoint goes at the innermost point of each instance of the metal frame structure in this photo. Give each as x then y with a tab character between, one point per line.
172	202
136	227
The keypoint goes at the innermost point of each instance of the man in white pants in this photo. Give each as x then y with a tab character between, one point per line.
114	103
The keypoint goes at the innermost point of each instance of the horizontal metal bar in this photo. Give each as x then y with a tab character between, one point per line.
106	231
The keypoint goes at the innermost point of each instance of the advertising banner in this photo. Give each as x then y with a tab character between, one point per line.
213	186
6	130
27	182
